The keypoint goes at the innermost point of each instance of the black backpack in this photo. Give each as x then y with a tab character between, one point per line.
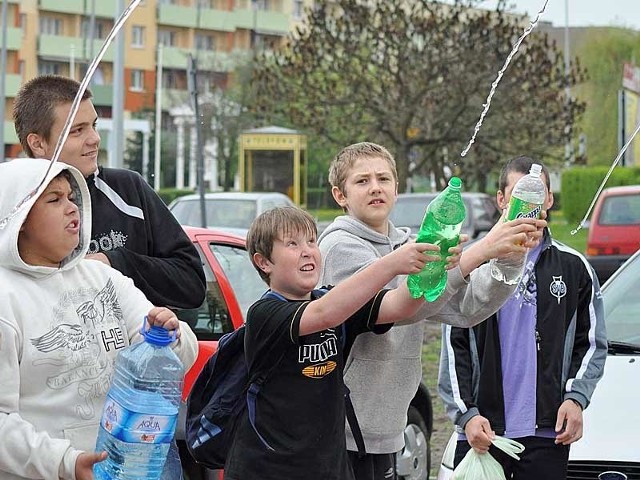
222	392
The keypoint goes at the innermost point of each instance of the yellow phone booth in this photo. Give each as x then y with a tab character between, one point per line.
274	159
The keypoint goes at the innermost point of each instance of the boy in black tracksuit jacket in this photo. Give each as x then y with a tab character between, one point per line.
528	371
143	240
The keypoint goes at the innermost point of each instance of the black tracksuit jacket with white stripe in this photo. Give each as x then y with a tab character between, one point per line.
132	226
572	346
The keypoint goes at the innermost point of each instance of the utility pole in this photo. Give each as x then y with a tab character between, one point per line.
158	133
192	69
567	70
3	69
116	137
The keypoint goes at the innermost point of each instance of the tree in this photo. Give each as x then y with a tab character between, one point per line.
413	76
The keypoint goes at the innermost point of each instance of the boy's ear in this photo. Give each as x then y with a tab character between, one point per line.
502	204
262	262
37	145
339	197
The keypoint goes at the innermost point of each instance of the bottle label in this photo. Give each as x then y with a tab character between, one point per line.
522	209
136	427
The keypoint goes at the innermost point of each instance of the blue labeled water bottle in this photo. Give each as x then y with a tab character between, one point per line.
441	226
141	410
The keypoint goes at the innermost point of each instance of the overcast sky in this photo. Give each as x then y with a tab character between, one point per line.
622	13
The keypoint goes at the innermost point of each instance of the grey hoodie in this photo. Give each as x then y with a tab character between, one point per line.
383	372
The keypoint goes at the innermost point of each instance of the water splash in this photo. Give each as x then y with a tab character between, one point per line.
495	83
75	106
604	181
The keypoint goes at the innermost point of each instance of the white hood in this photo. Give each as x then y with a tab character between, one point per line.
18	179
611	421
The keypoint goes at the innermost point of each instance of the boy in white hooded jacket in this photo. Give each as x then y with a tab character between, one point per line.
63	319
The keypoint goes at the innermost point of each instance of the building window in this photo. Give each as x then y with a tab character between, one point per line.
49	68
98	29
166	2
167	38
137	80
260	4
298	8
205	42
204	3
169	79
137	36
50	25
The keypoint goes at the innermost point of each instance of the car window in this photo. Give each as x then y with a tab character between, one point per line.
212	319
245	281
622	304
620	210
409	211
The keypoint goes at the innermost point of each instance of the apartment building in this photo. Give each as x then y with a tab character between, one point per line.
63	36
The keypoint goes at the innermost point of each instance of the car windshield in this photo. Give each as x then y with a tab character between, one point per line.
622	304
221	213
409	211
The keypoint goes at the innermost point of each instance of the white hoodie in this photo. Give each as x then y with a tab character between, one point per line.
60	331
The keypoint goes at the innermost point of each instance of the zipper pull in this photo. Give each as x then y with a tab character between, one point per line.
537	340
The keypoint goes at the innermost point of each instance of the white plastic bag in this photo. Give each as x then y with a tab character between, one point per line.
482	466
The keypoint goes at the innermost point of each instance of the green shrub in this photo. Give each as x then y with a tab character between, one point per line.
580	184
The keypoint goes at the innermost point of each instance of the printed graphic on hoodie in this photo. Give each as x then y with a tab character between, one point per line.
73	347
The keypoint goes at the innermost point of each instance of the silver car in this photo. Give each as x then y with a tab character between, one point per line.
229	211
609	449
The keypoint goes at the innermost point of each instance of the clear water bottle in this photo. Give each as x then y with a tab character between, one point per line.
141	410
528	195
441	226
527	199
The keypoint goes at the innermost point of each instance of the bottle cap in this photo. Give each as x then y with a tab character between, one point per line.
455	182
535	169
157	335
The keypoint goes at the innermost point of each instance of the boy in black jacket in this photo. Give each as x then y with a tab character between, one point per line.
132	230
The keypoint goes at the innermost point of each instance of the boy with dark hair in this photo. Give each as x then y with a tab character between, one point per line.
63	319
530	369
132	230
384	372
300	410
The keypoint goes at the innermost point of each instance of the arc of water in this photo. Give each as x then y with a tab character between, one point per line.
75	106
604	181
495	83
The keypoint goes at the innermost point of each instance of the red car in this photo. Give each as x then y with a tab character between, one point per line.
614	230
233	285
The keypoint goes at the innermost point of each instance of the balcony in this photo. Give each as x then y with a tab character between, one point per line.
102	94
103	8
13	82
14	38
57	47
10	136
265	21
223	20
176	58
210	19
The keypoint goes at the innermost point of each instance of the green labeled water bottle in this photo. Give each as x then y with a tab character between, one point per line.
441	226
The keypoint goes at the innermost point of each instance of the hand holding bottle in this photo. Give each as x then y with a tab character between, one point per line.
85	463
412	257
165	318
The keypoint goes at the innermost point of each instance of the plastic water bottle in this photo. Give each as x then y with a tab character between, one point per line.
141	410
528	195
527	198
441	226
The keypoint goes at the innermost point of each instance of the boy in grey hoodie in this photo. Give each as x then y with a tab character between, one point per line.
384	372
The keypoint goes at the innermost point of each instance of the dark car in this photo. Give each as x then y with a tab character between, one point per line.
482	212
233	285
614	230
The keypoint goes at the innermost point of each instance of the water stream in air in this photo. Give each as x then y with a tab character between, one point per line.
74	107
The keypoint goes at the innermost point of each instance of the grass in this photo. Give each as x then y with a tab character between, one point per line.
561	231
